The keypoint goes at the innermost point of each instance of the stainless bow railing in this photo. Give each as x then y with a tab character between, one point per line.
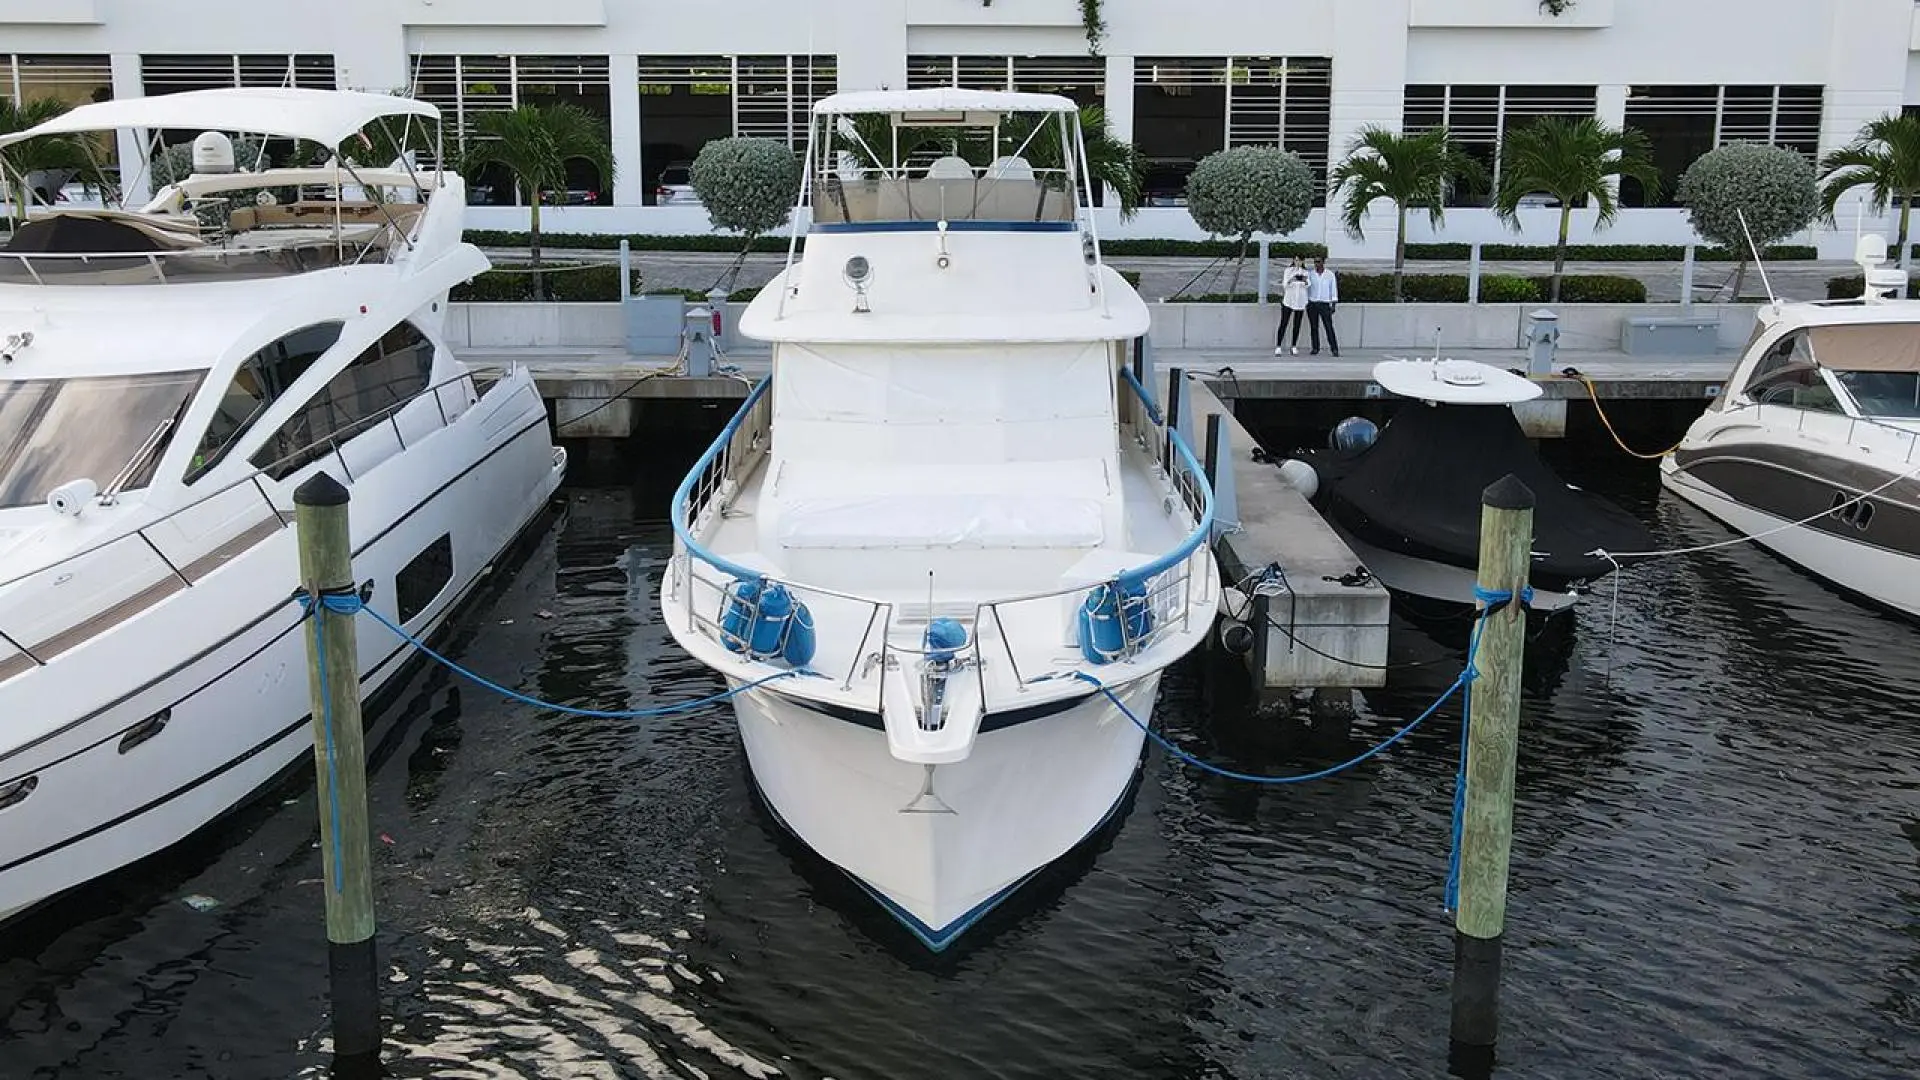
703	579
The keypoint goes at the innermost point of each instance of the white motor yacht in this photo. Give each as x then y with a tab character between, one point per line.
1810	448
170	375
951	521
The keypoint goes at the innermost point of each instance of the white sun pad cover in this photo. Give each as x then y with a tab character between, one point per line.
958	405
942	520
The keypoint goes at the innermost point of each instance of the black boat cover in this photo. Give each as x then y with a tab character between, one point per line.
1416	490
61	234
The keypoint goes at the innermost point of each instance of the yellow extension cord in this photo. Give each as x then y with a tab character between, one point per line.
1594	396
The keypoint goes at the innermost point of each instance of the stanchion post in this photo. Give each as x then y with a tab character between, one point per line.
1486	836
340	760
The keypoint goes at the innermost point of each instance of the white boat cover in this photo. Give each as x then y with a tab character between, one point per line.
942	519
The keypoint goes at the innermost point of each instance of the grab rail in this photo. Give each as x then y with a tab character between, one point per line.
177	572
701	471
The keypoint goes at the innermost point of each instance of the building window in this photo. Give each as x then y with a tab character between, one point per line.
1080	79
1185	108
384	375
1285	102
464	87
423	579
172	73
70	80
688	101
262	379
1481	117
1684	122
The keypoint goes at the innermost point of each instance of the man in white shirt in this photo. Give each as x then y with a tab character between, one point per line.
1323	296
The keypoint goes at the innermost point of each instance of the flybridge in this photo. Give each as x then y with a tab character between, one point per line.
227	223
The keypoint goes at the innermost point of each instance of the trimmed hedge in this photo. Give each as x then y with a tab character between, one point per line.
1452	289
587	285
1852	286
1598	253
729	245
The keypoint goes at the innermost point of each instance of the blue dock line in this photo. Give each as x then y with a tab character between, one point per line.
352	603
1494	599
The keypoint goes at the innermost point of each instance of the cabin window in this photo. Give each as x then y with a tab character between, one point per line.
1894	394
263	377
384	375
1787	375
100	428
423	579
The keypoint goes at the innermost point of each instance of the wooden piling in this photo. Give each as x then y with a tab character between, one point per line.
340	760
1486	836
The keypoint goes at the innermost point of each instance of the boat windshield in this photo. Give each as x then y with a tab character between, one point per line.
1884	394
53	431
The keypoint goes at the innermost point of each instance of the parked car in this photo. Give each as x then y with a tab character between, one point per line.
675	187
1165	183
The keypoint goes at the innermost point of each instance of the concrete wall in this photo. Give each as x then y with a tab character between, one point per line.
1583	327
1863	51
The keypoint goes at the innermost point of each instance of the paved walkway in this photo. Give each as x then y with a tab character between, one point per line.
1162	277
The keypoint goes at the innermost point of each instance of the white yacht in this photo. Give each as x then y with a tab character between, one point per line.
950	506
1810	448
168	376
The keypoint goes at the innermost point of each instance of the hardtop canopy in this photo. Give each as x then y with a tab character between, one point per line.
327	117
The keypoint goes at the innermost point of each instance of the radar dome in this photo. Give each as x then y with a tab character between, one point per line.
212	153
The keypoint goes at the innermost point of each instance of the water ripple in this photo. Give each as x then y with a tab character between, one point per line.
1716	873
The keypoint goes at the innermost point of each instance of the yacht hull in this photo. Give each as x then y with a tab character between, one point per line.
1870	567
940	846
223	664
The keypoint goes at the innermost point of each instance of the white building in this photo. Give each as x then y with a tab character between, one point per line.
1180	78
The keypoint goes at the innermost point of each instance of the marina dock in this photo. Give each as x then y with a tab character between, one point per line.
1314	625
576	379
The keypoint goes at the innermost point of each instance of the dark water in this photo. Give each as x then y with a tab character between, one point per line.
1717	873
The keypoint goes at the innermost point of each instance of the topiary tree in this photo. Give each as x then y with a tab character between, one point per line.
1247	190
748	186
1772	188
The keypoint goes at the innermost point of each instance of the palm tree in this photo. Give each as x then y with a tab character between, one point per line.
1883	158
49	153
536	143
1572	159
1110	161
1418	170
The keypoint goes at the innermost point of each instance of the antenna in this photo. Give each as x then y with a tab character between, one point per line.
1758	262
